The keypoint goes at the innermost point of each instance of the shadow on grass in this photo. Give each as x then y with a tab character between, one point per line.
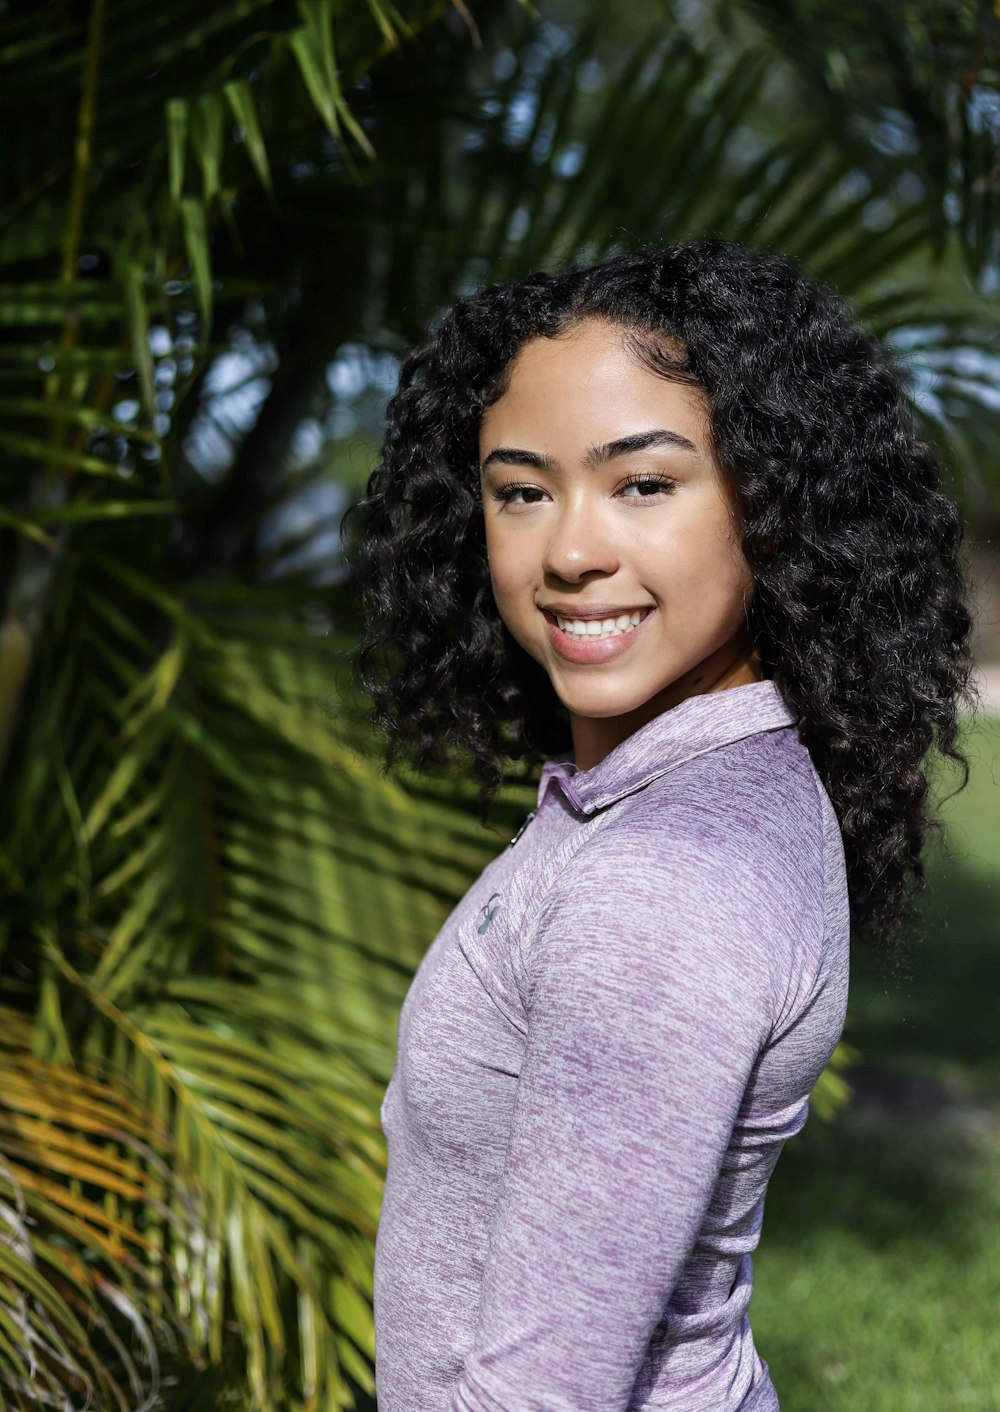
941	1011
878	1254
889	1182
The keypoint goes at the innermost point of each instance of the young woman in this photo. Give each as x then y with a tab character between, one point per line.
660	525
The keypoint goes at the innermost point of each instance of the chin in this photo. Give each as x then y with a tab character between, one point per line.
601	705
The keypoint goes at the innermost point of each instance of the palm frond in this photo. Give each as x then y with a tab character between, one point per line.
89	1182
912	92
217	968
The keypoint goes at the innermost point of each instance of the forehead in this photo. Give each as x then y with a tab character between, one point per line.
585	388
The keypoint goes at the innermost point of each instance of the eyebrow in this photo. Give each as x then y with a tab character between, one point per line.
596	455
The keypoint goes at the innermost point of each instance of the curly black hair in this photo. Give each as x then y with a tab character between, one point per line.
859	611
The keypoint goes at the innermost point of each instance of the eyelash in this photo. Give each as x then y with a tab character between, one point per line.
505	493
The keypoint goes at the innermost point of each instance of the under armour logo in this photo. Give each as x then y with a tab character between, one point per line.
488	914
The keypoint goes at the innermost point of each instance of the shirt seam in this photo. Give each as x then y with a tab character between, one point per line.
823	927
516	1024
530	920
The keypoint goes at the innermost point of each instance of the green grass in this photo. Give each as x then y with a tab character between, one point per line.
879	1269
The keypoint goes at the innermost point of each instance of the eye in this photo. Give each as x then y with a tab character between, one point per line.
507	494
647	486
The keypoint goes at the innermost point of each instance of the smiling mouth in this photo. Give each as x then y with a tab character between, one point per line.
591	629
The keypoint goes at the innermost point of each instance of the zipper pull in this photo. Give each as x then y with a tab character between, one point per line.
523	827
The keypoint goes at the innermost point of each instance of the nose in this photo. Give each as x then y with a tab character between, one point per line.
579	543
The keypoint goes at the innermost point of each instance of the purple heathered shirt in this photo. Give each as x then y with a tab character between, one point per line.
599	1059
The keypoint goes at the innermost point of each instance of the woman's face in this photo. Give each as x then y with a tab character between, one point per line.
602	502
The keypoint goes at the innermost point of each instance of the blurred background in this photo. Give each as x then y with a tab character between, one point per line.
221	226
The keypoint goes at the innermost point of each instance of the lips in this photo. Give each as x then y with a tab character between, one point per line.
586	651
596	610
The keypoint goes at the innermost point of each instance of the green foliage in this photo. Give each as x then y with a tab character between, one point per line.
167	855
911	89
213	898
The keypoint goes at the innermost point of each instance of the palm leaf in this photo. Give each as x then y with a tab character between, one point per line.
86	1170
929	74
242	991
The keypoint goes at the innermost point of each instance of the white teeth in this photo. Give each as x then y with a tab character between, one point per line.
598	627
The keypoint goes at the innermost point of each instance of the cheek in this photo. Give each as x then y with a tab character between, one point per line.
698	564
736	571
730	581
688	547
507	570
494	559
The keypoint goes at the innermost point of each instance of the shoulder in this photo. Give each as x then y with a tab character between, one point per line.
714	870
732	821
756	804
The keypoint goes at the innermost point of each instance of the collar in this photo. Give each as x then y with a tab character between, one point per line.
694	726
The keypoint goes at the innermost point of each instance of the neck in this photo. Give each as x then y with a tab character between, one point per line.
596	736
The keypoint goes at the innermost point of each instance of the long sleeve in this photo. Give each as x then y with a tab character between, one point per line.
649	996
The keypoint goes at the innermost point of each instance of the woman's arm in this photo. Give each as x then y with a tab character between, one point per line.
649	998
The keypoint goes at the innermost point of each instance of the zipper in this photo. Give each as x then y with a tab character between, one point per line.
523	827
